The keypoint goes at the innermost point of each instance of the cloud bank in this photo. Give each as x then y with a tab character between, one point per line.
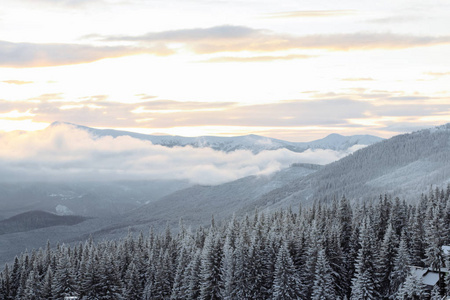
212	40
31	55
66	153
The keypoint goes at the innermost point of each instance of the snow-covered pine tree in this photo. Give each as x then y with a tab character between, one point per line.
308	271
64	280
47	292
227	270
210	267
163	276
324	287
401	267
32	289
385	261
286	281
193	279
111	285
364	284
132	286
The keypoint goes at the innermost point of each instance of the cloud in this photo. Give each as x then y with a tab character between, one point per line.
145	96
358	79
292	120
311	13
64	3
29	55
437	74
226	59
64	152
17	82
229	38
394	20
225	32
226	38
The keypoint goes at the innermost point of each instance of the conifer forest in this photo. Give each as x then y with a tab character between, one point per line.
338	250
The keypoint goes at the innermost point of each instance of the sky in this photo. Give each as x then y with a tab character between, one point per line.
293	70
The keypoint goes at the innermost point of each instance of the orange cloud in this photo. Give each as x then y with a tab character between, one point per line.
18	82
437	74
358	79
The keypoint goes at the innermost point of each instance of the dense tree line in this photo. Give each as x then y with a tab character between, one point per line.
327	251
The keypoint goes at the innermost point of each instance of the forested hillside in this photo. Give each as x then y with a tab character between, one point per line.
402	165
36	219
326	251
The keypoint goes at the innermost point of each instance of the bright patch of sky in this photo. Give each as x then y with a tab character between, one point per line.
350	67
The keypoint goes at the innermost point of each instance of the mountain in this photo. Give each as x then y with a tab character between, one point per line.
36	219
254	143
403	166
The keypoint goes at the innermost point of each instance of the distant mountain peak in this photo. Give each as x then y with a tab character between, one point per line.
60	123
252	142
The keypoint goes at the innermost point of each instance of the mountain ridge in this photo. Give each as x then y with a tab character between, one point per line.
252	142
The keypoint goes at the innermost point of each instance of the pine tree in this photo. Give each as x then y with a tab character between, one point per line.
364	285
256	268
193	279
324	287
163	276
227	270
32	289
385	261
47	292
132	288
434	235
309	269
63	280
412	289
401	268
344	217
337	261
111	286
210	268
286	281
241	271
182	263
90	280
5	284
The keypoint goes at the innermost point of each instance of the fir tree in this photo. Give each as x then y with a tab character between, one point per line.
64	280
401	268
323	288
364	285
286	281
210	268
385	261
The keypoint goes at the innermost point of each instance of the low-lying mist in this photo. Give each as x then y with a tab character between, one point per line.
63	153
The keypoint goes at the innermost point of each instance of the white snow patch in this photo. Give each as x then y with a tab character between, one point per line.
63	210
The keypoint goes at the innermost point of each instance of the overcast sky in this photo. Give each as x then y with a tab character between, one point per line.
294	70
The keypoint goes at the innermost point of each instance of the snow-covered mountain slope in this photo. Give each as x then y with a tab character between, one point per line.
254	143
404	165
196	205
